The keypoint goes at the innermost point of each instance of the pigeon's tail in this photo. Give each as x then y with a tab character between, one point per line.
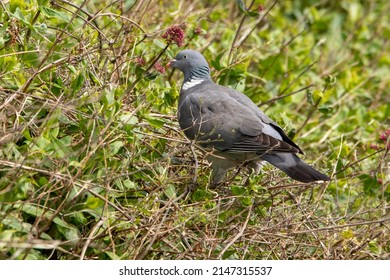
294	167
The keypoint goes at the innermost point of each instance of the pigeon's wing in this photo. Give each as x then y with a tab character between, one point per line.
214	119
271	127
261	144
210	121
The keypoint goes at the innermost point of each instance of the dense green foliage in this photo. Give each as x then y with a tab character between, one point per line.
94	166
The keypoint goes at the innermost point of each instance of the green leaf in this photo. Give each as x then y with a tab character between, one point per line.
115	147
77	83
72	68
157	123
242	8
170	192
128	118
129	185
159	43
314	97
228	254
112	255
94	78
42	3
62	17
20	191
108	98
42	181
62	146
355	11
78	218
70	232
241	5
16	224
129	4
246	200
371	185
16	4
326	109
331	80
31	58
93	203
238	190
19	15
347	234
374	246
216	63
51	126
36	211
199	195
6	235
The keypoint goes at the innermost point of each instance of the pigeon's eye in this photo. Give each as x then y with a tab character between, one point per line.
185	57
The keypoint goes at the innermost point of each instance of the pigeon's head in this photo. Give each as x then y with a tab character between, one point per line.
191	63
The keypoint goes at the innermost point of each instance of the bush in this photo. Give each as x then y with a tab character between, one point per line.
93	165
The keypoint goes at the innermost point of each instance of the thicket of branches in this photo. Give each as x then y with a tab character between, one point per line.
94	166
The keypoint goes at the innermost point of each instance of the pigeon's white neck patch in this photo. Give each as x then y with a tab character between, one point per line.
191	83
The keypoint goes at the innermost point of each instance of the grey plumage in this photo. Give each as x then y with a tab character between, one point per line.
229	125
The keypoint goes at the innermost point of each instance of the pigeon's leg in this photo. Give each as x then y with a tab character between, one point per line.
217	175
255	166
220	166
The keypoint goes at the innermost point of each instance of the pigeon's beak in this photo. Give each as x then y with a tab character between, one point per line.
171	63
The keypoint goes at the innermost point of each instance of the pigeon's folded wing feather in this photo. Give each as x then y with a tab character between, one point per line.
229	125
271	127
262	144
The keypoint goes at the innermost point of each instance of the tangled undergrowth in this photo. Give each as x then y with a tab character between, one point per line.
93	165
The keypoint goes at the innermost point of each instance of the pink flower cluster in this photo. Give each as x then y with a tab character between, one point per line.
159	67
174	34
140	61
385	137
198	31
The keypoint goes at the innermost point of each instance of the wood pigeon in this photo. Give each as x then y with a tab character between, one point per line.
230	127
